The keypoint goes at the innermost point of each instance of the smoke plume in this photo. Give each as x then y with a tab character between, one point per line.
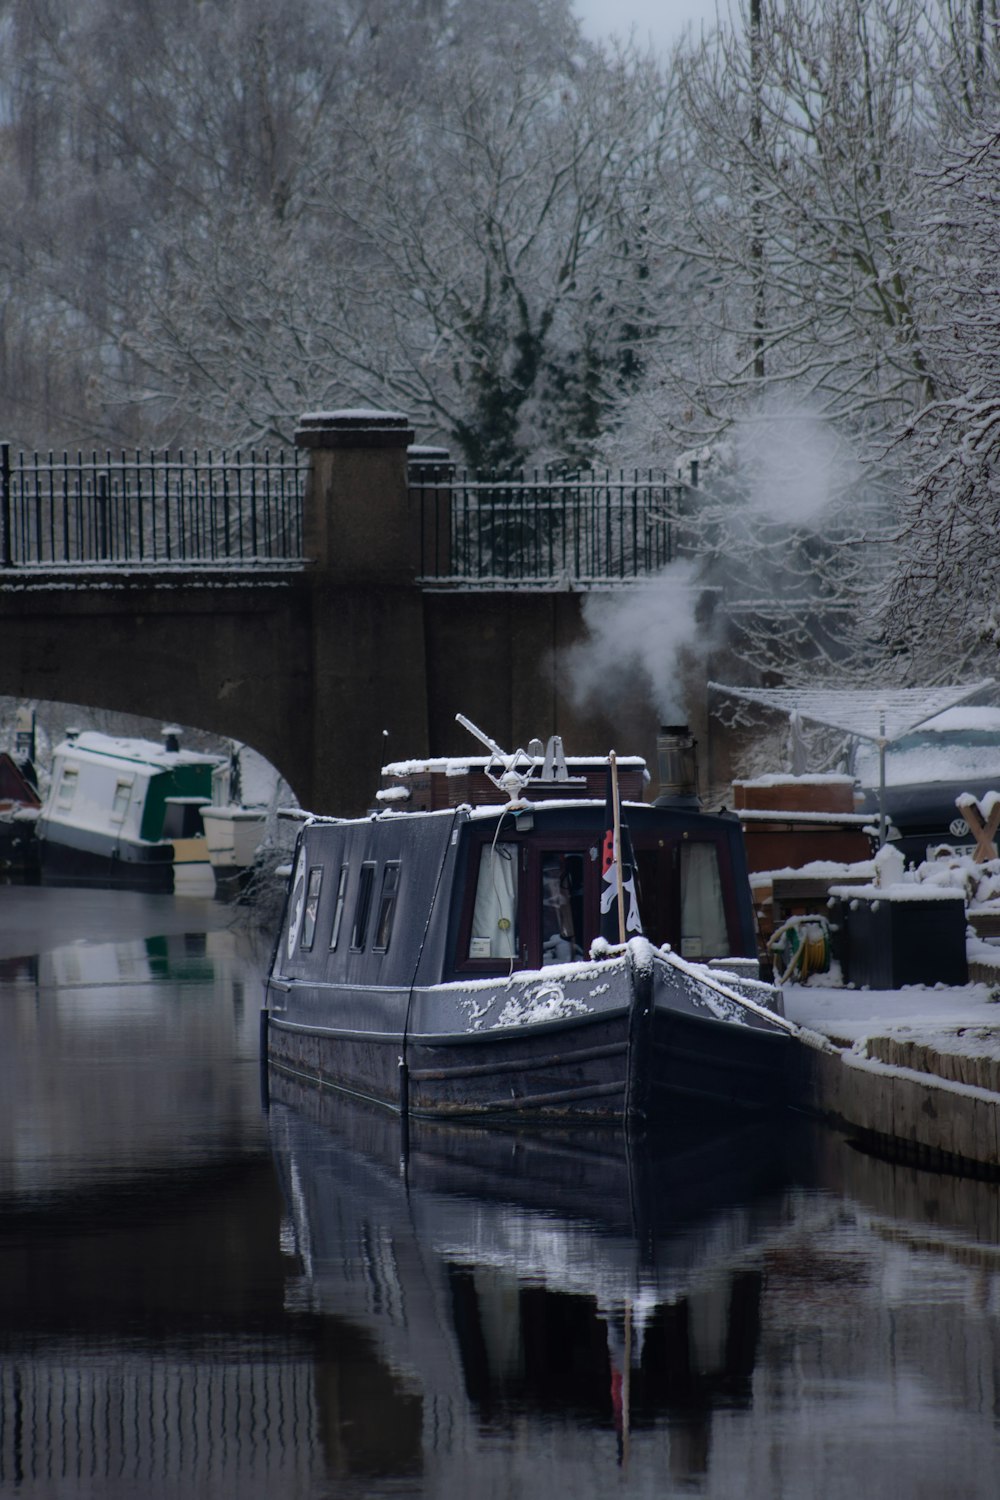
641	640
776	480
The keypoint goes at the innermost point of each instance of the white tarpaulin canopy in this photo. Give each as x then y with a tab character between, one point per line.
871	713
879	714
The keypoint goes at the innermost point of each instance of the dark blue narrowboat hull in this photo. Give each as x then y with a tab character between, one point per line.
654	1047
553	1074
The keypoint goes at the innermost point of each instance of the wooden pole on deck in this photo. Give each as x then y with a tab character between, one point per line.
618	846
627	1384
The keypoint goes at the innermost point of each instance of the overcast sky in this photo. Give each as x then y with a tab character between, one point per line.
663	21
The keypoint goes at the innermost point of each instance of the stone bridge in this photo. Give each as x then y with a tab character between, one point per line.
329	667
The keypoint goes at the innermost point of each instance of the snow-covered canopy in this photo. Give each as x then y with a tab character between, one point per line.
879	714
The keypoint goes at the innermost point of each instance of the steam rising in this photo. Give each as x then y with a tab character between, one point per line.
647	630
788	464
780	471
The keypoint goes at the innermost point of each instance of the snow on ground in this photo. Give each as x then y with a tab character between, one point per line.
962	1018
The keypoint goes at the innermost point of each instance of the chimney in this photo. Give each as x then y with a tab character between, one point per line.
677	765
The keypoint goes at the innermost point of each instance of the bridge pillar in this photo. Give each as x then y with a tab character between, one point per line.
368	665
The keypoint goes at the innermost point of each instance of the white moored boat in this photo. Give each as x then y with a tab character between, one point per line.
124	812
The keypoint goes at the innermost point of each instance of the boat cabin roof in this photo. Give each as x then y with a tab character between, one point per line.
95	748
397	899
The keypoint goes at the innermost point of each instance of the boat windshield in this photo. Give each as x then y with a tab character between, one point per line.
562	907
494	917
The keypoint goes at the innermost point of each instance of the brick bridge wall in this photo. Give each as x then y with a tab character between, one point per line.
311	666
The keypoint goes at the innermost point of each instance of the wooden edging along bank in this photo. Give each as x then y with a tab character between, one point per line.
905	1113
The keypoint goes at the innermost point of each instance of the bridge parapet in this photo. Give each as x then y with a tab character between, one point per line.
354	499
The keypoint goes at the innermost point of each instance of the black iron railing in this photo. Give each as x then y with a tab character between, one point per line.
190	510
150	510
581	529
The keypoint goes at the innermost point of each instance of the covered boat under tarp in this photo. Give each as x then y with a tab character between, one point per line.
449	963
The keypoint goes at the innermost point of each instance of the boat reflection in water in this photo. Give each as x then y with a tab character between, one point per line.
505	1277
120	1059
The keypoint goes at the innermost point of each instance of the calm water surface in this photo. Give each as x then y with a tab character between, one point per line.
204	1297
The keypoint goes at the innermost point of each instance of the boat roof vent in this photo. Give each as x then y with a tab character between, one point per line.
554	765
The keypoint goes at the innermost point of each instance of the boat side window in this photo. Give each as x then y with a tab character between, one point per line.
703	914
386	907
562	907
338	910
362	908
494	915
312	905
123	791
67	787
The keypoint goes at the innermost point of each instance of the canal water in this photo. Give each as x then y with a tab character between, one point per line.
206	1292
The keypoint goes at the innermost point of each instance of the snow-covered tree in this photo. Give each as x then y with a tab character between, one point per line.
133	131
464	249
503	282
805	127
228	215
943	604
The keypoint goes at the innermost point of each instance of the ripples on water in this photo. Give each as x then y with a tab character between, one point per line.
201	1298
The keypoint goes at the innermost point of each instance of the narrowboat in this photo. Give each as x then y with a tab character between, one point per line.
19	805
449	961
124	812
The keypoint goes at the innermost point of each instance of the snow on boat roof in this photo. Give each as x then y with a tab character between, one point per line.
542	804
354	414
460	765
91	743
820	778
902	891
870	713
481	810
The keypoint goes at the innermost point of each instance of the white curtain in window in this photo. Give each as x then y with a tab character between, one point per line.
703	917
494	918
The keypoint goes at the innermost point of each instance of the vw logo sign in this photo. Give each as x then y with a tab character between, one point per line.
959	827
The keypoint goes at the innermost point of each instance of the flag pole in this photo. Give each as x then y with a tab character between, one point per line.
618	846
627	1384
